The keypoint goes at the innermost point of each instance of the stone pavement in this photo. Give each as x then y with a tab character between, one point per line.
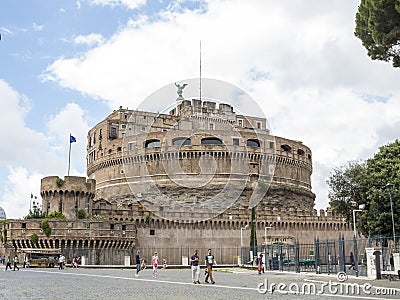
231	283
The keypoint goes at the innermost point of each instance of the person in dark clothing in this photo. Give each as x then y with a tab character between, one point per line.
210	261
15	262
352	262
138	263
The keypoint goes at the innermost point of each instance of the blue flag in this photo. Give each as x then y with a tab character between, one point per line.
72	139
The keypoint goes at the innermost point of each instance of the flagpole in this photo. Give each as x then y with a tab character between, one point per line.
69	154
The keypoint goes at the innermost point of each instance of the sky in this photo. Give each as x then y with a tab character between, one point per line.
65	65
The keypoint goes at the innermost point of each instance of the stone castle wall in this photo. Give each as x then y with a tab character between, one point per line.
74	194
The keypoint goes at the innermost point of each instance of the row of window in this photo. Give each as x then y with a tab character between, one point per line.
206	141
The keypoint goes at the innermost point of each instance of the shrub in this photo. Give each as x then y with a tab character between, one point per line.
59	182
34	239
81	214
56	214
44	225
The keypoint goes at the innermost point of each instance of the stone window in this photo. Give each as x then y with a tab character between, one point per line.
286	148
235	142
211	126
23	225
181	142
152	144
211	141
240	122
300	151
272	145
258	125
113	132
124	227
112	226
152	232
253	143
131	146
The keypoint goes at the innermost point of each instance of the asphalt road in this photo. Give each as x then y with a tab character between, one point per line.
232	283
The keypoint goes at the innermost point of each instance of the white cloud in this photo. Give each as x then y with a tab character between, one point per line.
26	154
300	60
16	199
132	4
90	39
37	27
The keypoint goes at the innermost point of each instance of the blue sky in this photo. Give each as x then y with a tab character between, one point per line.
65	65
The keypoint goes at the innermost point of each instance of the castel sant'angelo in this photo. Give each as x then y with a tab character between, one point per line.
185	178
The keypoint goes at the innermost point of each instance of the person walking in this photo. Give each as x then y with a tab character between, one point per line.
154	263
15	262
210	261
8	264
260	264
352	262
138	263
194	262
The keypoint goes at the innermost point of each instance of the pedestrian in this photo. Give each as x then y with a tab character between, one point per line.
61	261
210	261
154	263
352	262
138	264
8	264
260	264
74	262
164	262
194	262
391	260
15	262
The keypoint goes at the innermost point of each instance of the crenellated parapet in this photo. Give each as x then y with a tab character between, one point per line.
71	234
68	195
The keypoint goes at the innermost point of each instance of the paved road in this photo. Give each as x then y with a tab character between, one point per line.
176	284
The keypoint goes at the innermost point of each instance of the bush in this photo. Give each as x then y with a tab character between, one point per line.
34	239
59	182
81	214
44	225
56	214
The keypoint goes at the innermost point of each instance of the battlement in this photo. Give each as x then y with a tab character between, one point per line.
69	183
67	196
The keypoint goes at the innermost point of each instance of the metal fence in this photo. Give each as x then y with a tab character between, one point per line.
323	256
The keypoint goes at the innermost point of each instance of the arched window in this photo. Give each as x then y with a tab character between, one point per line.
286	148
300	151
211	141
253	143
152	144
181	142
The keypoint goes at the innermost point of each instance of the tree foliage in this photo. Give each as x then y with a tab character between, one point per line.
366	183
378	27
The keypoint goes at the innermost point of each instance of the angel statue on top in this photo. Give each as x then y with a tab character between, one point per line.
180	89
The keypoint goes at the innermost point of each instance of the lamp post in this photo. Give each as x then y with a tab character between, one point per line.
388	186
241	241
360	208
266	257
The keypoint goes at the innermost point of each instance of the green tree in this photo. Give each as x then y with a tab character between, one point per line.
365	183
378	27
346	190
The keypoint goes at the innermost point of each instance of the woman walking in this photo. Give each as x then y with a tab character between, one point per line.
154	262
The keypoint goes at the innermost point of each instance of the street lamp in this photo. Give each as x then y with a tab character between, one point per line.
265	232
265	249
360	208
241	241
388	186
